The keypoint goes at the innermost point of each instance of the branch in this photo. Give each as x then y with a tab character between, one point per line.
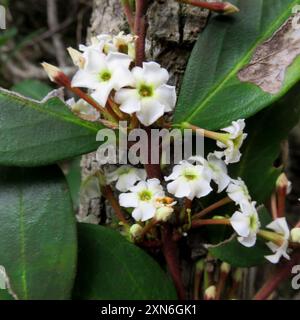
282	273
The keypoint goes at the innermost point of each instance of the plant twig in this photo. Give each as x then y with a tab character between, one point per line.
140	29
212	207
282	273
128	13
109	195
170	253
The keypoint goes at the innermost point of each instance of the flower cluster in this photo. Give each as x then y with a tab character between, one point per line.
106	68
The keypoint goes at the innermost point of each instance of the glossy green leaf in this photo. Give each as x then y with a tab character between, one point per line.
211	95
237	255
38	232
32	89
38	133
110	267
266	131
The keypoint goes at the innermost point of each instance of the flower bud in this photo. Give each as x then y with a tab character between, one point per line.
230	8
52	71
210	293
225	267
295	235
164	213
76	57
135	230
283	182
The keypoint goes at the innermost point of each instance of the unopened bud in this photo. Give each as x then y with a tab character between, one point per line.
164	213
295	235
230	8
210	293
135	230
52	71
238	275
283	182
76	57
225	267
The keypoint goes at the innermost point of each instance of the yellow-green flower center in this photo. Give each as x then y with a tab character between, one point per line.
190	174
145	91
145	195
253	222
104	76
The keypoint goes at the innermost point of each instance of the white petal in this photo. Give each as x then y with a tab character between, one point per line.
128	100
125	182
166	95
148	210
280	225
95	61
128	200
83	79
122	78
201	188
180	188
137	214
102	92
240	223
248	241
154	74
151	110
115	60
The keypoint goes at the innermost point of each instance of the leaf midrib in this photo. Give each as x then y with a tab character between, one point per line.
240	64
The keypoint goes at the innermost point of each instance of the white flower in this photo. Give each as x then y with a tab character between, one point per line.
124	43
151	96
83	109
103	74
280	226
126	177
189	181
246	224
238	191
217	169
143	198
97	44
232	141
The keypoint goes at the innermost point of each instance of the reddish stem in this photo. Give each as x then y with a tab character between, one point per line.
212	207
109	195
129	14
206	222
140	29
282	273
281	200
170	253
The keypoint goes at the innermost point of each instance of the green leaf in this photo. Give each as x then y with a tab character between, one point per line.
73	177
32	89
38	233
110	267
7	35
237	255
212	96
266	131
39	133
